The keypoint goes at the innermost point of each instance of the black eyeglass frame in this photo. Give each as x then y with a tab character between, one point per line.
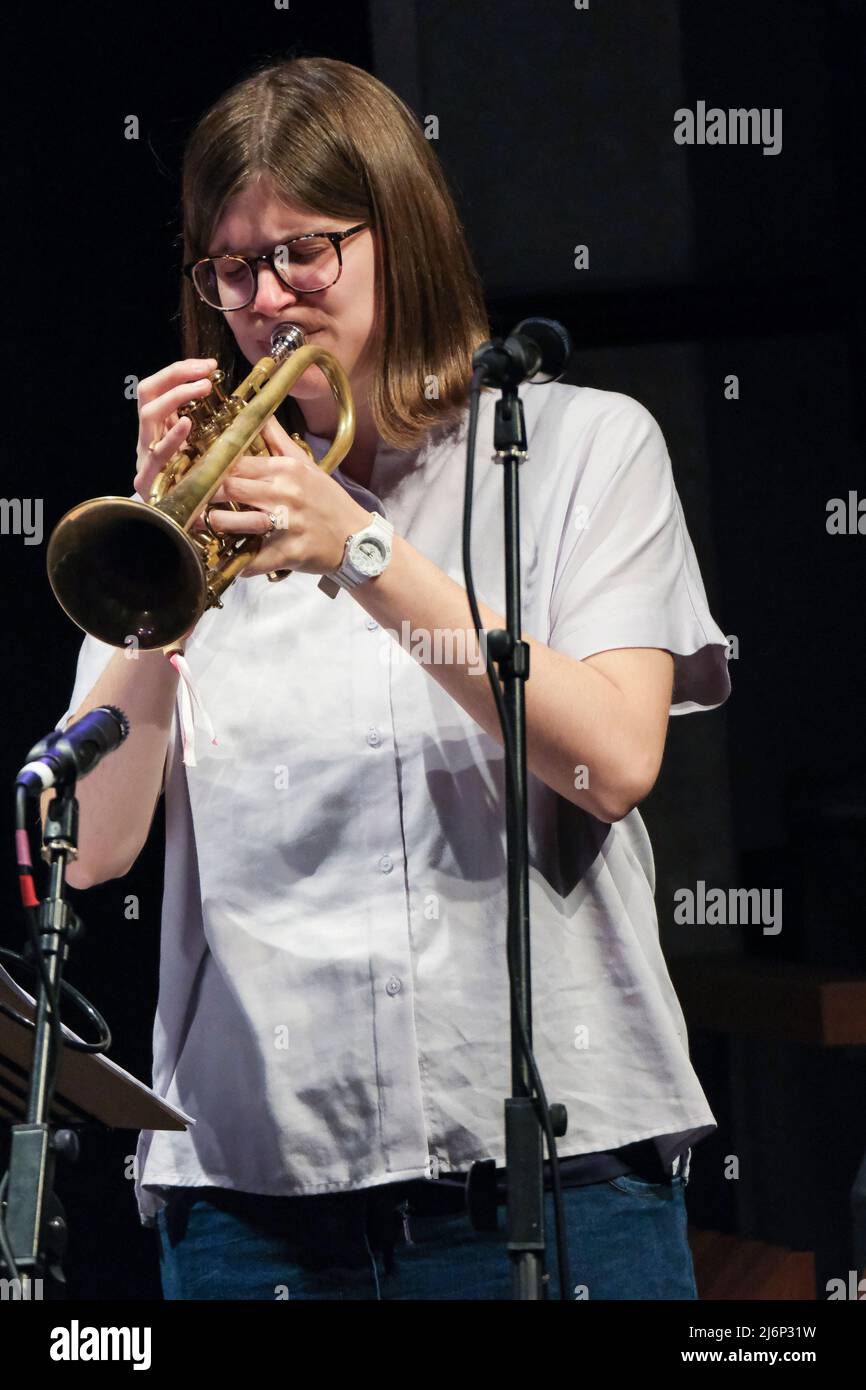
335	238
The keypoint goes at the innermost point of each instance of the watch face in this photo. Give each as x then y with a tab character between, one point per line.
368	555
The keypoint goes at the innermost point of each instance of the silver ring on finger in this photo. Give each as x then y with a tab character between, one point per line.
274	523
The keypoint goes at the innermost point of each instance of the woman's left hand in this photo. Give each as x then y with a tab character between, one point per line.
314	514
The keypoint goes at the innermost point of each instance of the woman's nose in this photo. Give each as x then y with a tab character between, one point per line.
272	293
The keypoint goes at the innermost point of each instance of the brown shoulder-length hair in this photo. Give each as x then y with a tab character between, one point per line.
331	137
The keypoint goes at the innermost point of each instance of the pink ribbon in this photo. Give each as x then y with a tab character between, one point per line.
190	704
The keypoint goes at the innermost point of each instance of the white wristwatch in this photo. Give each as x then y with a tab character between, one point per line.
366	555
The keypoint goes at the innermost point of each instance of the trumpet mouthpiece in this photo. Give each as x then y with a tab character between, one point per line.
286	338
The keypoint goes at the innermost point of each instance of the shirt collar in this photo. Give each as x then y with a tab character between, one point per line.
387	458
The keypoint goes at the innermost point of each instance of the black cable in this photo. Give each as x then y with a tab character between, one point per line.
5	1247
84	1004
540	1098
31	919
36	962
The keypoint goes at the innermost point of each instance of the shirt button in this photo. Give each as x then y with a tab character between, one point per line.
394	985
386	863
374	738
372	624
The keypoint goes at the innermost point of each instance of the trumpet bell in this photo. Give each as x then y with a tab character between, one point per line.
126	573
131	572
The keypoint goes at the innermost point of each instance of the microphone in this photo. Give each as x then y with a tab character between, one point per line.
61	757
536	351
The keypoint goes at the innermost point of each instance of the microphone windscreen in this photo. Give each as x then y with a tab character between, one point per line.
554	344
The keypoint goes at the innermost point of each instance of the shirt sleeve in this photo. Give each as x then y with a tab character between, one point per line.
627	574
93	658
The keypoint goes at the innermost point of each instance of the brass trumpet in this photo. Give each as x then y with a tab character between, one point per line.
123	569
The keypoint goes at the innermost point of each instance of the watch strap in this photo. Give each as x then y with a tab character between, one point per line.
347	576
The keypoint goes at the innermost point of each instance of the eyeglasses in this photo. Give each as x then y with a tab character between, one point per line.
307	264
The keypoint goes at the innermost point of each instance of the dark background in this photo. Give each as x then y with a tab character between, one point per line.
555	128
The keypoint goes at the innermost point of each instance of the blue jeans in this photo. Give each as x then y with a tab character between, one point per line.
626	1240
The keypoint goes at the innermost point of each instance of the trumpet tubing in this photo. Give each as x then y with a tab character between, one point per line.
123	569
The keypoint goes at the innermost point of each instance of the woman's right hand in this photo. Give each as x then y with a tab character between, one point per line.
160	431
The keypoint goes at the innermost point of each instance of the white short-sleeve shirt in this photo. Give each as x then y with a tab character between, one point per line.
333	998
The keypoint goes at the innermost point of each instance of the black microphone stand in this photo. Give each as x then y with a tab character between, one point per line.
35	1225
523	1121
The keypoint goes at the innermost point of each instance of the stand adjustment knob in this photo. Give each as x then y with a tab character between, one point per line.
558	1119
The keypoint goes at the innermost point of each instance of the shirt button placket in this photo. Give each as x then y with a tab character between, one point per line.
391	963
